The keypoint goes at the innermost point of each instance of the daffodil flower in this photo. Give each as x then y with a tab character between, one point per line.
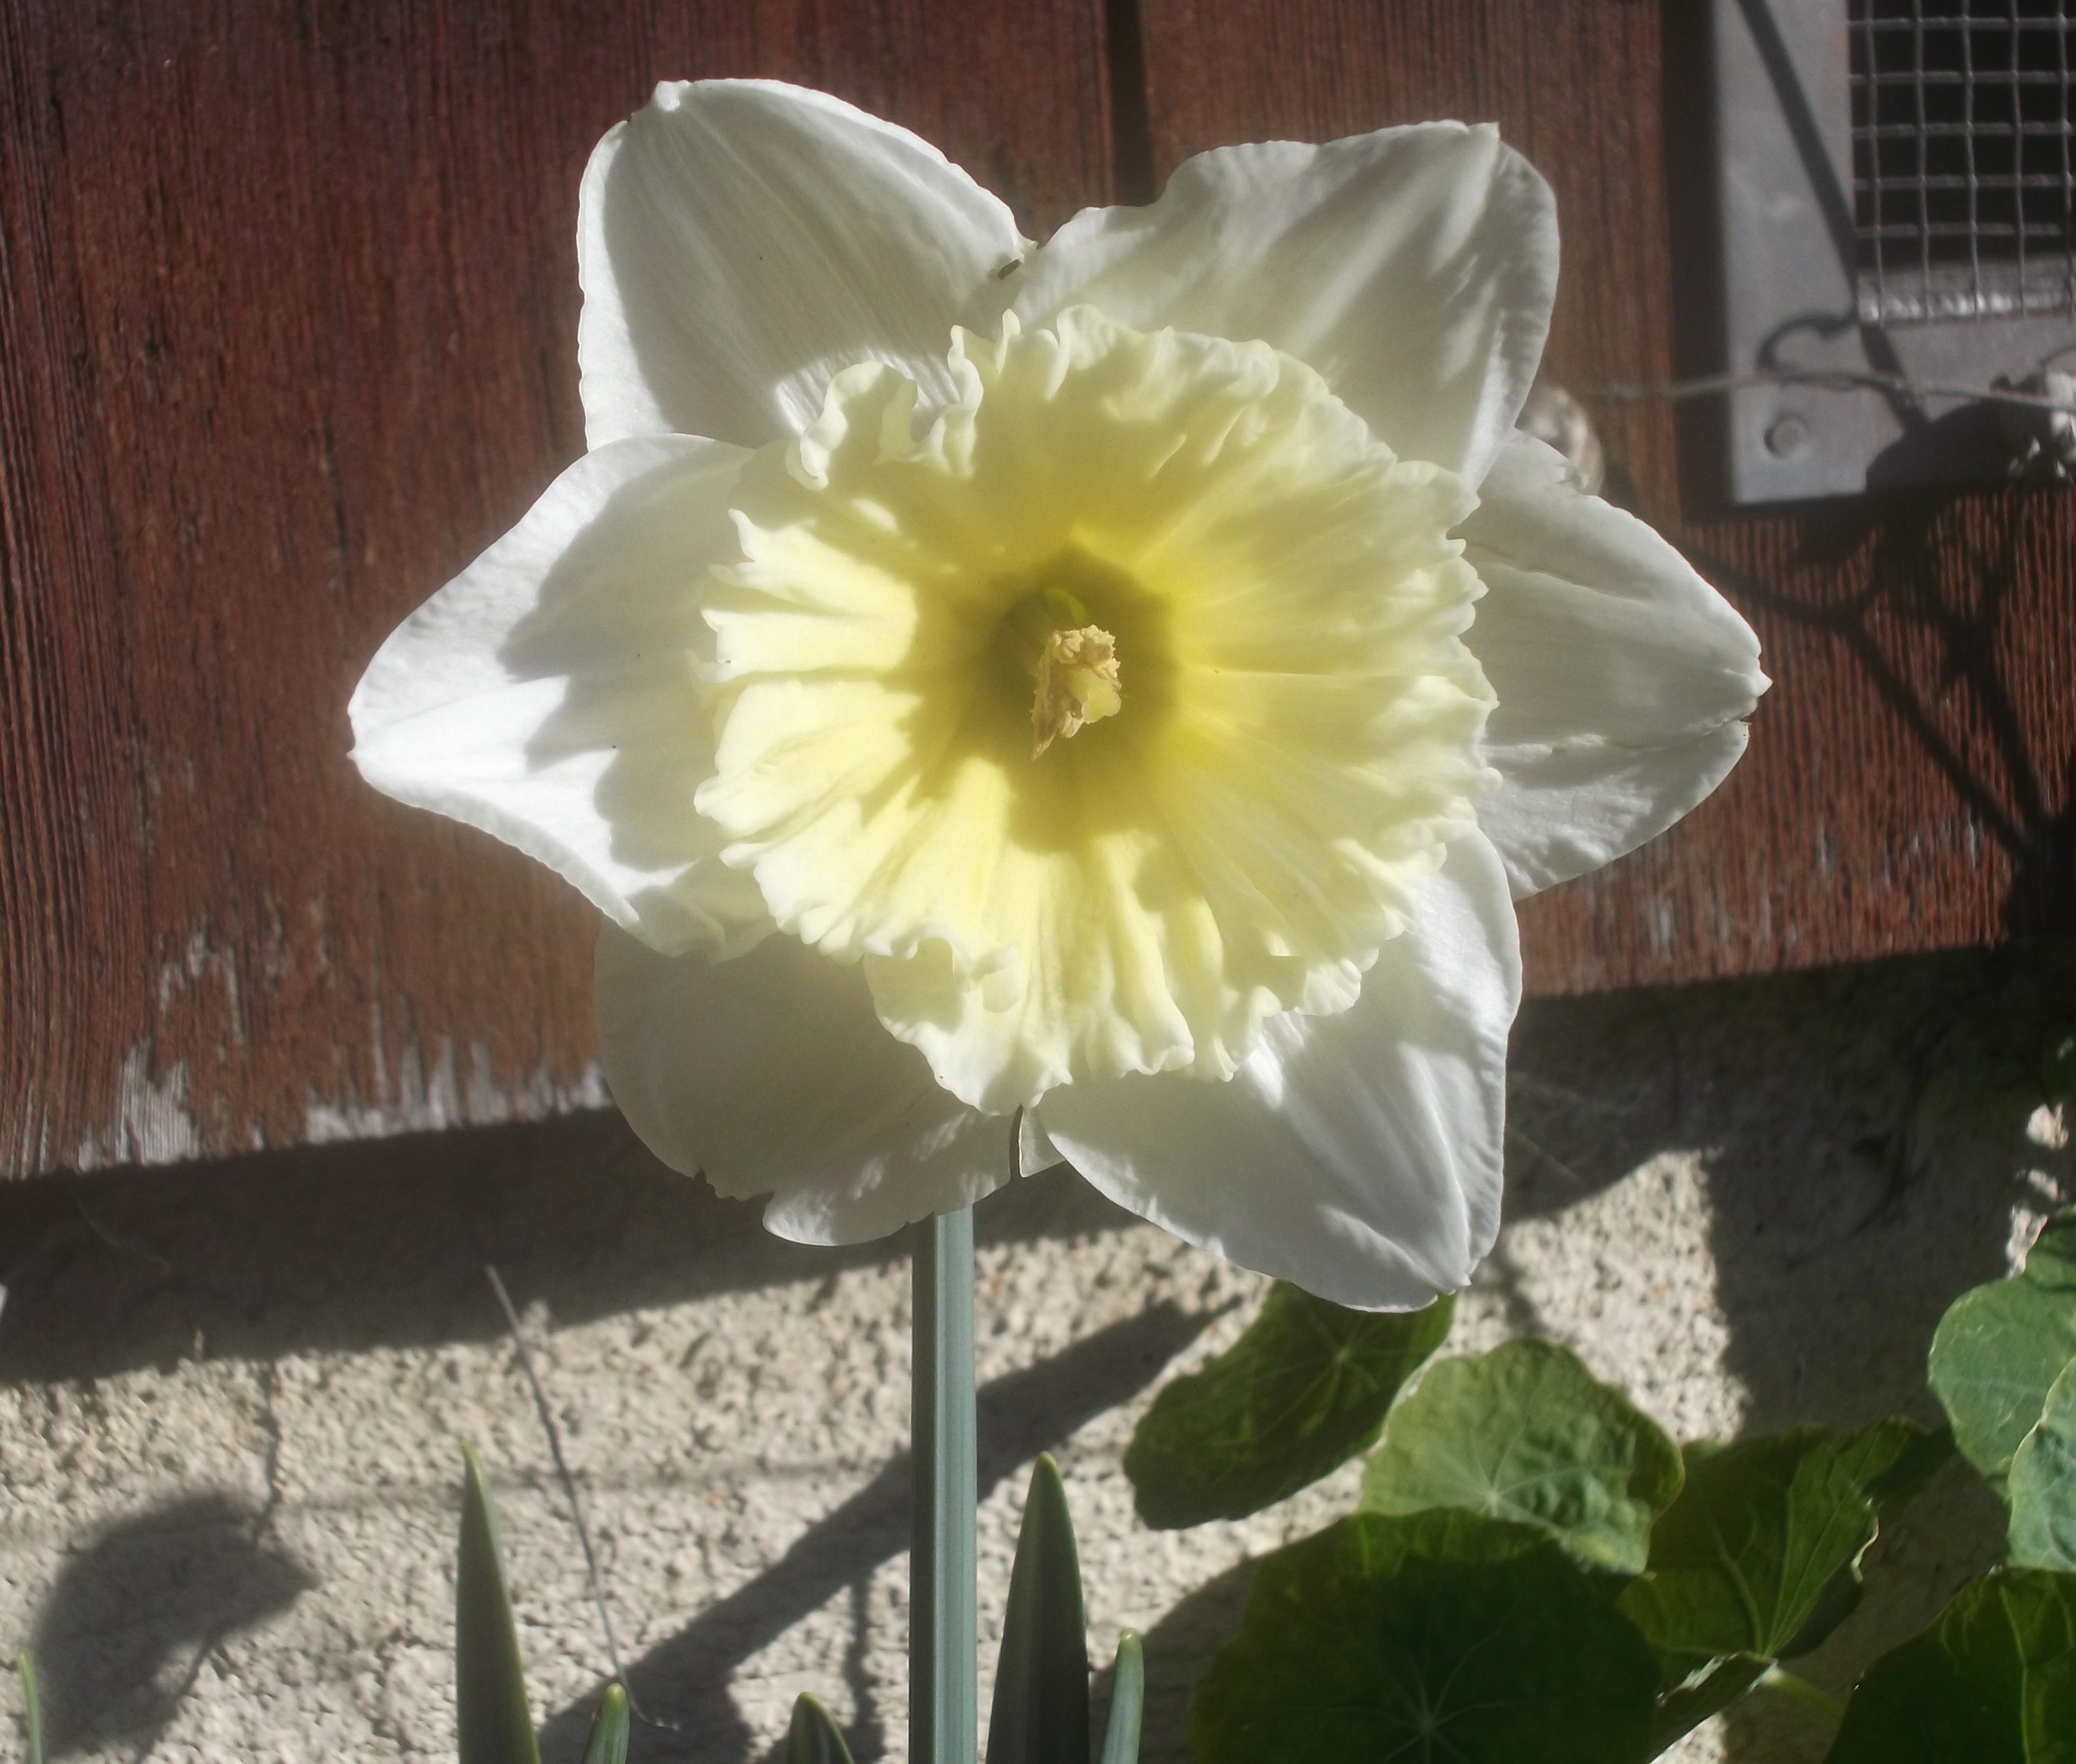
1099	700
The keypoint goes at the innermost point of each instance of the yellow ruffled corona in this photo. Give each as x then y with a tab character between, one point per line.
1122	709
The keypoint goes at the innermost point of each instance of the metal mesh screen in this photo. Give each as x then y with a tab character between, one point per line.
1964	185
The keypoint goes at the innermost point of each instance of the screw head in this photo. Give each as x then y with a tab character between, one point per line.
1788	437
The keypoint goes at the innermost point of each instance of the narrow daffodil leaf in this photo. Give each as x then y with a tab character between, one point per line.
1440	1635
492	1722
1999	1348
1041	1680
608	1743
1993	1681
32	1708
1528	1436
2042	1486
1760	1555
1304	1390
812	1737
1128	1702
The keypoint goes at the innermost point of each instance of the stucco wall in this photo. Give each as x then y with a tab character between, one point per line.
229	1394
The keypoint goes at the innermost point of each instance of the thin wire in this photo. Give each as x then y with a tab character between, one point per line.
1821	379
2018	147
570	1494
2068	180
1923	195
1967	39
1871	94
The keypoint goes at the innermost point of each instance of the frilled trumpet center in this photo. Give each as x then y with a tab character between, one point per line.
1121	710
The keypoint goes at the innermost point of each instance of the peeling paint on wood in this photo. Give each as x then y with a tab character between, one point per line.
288	314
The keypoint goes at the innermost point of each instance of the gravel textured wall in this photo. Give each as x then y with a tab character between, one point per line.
229	1395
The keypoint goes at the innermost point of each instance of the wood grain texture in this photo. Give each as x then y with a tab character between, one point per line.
287	306
1909	785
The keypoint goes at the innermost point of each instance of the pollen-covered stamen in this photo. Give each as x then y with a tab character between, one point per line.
1078	685
1073	661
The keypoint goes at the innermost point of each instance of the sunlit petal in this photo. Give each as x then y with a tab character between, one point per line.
1358	1155
1623	678
739	241
549	694
1414	268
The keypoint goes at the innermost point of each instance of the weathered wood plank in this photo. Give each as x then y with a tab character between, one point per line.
1909	785
287	306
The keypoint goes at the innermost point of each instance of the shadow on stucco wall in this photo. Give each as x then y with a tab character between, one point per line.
1859	1137
134	1615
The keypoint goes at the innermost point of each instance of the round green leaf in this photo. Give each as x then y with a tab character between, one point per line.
2043	1484
1758	1555
1527	1435
1999	1348
1304	1390
1438	1637
1992	1681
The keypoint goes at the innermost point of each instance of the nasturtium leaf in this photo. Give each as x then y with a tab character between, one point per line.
811	1737
1041	1680
492	1722
1748	1560
1304	1390
1993	1681
2042	1485
1527	1435
1892	1460
607	1743
2000	1347
1439	1636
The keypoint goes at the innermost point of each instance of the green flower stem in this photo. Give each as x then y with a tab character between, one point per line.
943	1673
1791	1684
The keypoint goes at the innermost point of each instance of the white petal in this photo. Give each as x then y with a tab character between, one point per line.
548	694
771	1073
1414	268
1623	678
739	241
1358	1155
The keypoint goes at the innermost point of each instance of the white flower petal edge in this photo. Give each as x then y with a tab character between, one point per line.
739	241
1623	678
771	1074
549	694
1358	1155
1414	268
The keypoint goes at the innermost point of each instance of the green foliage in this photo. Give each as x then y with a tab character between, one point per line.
1527	1435
1993	1681
607	1743
1438	1636
492	1722
1759	1556
2058	1069
1892	1460
1304	1390
812	1737
2001	1347
1041	1683
32	1711
2042	1485
1128	1702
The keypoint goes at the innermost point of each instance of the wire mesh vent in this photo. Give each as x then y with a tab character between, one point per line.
1964	191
